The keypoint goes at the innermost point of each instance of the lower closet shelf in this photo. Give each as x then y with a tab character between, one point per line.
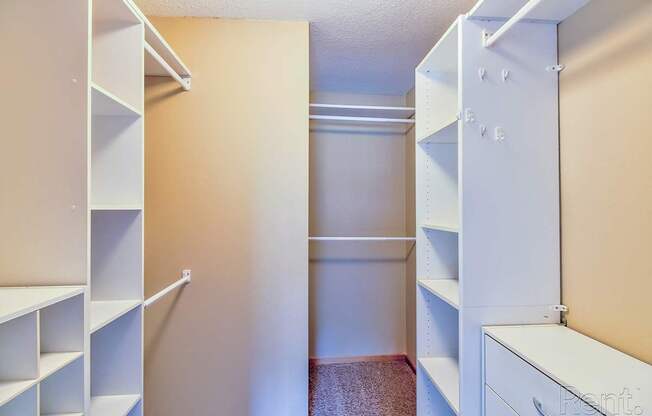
51	362
113	405
11	389
445	376
104	312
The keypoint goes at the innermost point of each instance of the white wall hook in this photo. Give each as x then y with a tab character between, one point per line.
482	73
500	134
483	130
469	116
505	74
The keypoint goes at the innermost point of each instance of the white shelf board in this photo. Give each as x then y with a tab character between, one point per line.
554	11
10	389
62	414
347	110
51	362
578	362
106	311
156	66
113	405
437	135
441	227
447	290
106	104
19	301
116	207
444	374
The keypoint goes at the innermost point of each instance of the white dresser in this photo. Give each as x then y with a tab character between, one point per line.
551	370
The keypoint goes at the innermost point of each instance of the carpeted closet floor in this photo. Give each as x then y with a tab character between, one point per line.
363	389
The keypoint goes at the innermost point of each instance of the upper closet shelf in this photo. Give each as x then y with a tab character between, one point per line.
362	113
18	301
552	11
160	59
441	227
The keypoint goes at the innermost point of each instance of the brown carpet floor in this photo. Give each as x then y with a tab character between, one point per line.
363	389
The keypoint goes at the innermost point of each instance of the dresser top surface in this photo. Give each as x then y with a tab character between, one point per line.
600	375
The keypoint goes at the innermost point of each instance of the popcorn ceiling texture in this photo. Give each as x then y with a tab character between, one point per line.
357	46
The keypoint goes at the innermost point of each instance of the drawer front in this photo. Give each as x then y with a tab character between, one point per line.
494	405
525	389
521	386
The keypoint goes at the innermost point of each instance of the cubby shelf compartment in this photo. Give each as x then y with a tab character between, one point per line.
447	290
441	227
108	207
444	374
18	301
105	312
106	104
12	389
118	405
51	362
444	134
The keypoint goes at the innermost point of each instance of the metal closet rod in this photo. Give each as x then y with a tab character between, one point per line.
362	238
181	282
362	119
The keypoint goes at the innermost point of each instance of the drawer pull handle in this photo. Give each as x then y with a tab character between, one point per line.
538	406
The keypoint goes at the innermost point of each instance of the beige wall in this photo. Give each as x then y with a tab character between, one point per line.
357	188
606	173
410	225
227	196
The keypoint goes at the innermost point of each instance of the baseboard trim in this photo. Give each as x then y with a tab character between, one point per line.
359	359
411	364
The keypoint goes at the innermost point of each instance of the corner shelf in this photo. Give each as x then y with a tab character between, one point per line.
106	311
441	227
105	103
447	290
446	133
118	405
444	374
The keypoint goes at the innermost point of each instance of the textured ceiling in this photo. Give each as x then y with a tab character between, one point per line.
357	46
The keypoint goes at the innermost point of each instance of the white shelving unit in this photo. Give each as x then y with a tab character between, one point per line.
42	343
487	206
77	205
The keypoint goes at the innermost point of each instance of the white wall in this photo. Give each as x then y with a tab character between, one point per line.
357	187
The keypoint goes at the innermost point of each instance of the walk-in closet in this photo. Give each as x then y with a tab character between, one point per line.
325	208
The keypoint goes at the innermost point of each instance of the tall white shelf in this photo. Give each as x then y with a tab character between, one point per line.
71	337
487	206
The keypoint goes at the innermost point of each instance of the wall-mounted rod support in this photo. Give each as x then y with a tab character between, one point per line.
362	238
181	282
364	119
185	82
520	15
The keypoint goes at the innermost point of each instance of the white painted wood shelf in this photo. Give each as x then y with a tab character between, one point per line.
52	362
444	373
104	312
19	301
108	207
441	227
447	290
105	103
446	133
115	405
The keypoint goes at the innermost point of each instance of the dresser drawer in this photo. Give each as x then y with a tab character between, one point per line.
519	384
494	405
525	389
